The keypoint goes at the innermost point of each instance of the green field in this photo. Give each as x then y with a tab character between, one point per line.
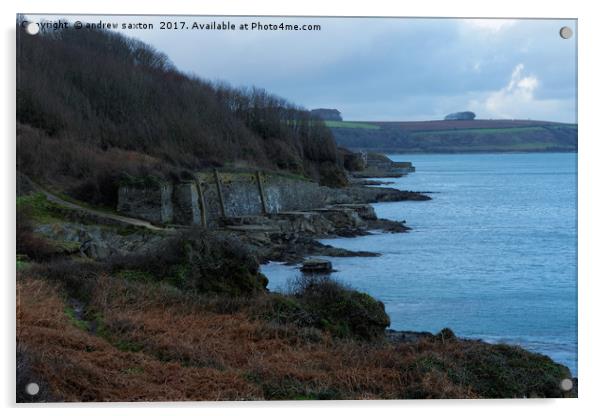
351	125
480	131
457	136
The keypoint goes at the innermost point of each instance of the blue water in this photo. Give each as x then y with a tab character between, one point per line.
492	256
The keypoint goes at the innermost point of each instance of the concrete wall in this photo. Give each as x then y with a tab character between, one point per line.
152	203
186	206
179	203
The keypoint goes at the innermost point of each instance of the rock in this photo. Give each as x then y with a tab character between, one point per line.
407	336
98	242
368	182
352	161
366	194
342	218
95	249
388	226
365	211
253	228
244	220
316	266
303	222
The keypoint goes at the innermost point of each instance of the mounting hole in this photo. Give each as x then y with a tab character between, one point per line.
566	32
32	28
32	389
566	384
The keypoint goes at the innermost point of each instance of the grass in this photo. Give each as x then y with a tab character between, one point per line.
563	126
22	262
479	131
513	147
42	211
75	320
39	209
351	125
157	344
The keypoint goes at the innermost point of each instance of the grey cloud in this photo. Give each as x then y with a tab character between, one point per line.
378	69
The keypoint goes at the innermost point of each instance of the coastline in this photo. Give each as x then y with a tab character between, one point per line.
560	348
293	236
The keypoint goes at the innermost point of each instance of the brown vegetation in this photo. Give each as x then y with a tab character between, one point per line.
137	341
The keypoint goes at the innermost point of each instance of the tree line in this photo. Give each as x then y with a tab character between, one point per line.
94	105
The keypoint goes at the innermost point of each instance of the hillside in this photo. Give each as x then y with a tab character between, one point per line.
451	136
94	106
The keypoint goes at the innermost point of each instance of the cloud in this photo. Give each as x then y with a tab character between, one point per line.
519	91
490	25
518	99
387	68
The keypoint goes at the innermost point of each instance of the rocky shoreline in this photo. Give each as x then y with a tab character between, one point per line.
291	236
98	266
287	236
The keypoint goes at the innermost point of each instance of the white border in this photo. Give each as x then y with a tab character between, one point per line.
590	35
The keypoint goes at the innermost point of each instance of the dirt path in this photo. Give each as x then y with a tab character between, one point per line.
115	217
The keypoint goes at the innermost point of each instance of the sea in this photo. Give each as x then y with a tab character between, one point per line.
493	255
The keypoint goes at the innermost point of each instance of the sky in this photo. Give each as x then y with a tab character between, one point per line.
384	69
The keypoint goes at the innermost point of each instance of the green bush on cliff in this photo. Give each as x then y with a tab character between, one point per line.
507	371
340	310
201	261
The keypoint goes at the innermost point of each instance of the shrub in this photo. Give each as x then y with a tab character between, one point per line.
343	311
507	371
201	261
28	242
77	277
283	309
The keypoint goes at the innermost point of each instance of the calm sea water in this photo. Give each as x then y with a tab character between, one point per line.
492	256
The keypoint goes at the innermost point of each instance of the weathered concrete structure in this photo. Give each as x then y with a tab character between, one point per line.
181	203
186	205
211	197
152	202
